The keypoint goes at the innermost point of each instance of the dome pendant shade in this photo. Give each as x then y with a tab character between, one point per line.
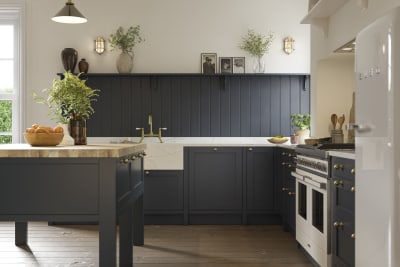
69	14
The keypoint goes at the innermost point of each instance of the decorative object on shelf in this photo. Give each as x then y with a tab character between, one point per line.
239	65
83	66
288	45
69	57
99	45
125	41
225	65
303	123
208	63
69	14
70	99
257	45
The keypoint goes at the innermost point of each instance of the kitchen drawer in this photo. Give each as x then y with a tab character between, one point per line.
342	168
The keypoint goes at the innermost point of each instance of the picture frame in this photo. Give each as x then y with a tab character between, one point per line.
208	63
238	65
225	65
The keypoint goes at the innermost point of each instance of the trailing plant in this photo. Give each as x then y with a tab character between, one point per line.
257	44
68	98
126	41
301	121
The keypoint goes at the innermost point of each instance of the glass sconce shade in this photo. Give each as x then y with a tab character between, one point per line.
99	45
69	14
288	45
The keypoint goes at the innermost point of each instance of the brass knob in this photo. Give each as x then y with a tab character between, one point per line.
353	189
250	149
124	161
353	236
289	165
338	224
133	157
290	155
353	171
285	189
284	163
291	193
338	182
338	166
147	172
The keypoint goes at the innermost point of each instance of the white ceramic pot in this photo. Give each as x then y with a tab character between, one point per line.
125	63
67	139
302	135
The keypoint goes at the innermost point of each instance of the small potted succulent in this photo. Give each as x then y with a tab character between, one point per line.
257	45
70	102
303	123
125	41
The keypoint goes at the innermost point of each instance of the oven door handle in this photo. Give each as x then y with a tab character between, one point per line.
308	180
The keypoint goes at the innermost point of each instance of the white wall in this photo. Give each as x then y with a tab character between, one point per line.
176	32
343	27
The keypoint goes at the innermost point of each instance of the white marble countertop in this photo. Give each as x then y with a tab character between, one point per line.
85	151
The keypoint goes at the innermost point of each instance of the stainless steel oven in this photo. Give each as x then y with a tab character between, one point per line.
313	207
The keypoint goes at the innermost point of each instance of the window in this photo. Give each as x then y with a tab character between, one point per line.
11	66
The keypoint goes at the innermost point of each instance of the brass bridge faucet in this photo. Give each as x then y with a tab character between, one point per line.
151	134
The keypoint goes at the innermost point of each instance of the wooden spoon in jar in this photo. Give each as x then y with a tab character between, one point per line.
341	121
334	120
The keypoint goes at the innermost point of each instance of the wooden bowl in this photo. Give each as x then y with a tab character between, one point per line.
43	139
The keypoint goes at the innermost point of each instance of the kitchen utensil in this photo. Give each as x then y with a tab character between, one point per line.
334	121
341	121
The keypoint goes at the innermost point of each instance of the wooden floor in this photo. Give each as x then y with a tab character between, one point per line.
165	246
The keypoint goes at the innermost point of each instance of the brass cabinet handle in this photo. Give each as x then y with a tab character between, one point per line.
285	189
338	166
353	236
291	193
124	161
353	189
338	224
353	171
338	182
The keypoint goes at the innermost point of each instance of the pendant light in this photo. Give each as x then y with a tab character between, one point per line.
69	14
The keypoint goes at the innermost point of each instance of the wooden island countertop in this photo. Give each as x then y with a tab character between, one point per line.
86	151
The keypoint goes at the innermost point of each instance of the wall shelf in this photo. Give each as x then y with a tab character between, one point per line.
321	11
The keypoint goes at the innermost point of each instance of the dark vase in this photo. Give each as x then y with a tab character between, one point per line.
78	130
83	66
69	57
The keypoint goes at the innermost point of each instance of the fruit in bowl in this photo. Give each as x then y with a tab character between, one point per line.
279	139
43	135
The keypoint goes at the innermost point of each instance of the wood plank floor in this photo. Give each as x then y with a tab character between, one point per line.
165	246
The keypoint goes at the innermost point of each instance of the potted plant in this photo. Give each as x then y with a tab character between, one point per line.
125	41
302	122
257	45
70	102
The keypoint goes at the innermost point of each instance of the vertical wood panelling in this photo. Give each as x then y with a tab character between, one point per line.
197	105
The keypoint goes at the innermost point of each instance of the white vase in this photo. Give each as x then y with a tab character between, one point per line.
67	139
302	135
258	65
125	62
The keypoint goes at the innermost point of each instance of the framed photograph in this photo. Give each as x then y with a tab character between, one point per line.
225	65
208	63
239	64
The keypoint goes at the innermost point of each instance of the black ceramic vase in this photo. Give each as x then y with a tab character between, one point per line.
83	66
78	130
69	57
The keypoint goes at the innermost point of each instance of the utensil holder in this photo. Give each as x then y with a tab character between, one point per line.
337	136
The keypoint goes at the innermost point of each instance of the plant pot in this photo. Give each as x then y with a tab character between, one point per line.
78	131
125	62
258	65
302	135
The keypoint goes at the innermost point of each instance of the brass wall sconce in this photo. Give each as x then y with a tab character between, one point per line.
288	45
99	45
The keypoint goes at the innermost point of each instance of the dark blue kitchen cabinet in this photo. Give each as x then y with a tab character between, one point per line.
215	185
163	199
342	212
285	164
261	192
192	105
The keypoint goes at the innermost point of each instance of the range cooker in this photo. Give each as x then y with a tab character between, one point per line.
313	199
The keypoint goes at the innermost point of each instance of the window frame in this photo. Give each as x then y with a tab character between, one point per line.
13	12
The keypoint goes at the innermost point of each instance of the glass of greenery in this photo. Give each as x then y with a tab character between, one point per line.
257	45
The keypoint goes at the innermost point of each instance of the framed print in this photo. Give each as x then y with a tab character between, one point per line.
239	65
225	65
208	63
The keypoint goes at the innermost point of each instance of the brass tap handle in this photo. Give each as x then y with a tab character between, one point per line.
142	134
150	121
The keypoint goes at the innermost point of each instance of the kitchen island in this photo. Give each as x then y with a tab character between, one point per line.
97	183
